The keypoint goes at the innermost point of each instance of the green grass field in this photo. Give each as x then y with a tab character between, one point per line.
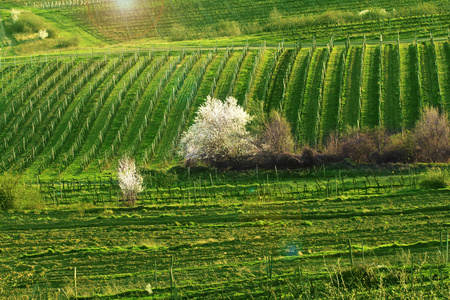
236	235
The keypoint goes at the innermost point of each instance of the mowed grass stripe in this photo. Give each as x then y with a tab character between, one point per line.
243	77
223	84
277	84
311	102
443	60
331	90
296	86
350	89
428	75
391	109
410	85
370	94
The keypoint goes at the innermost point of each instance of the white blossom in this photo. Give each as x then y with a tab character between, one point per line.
218	132
43	34
15	13
130	182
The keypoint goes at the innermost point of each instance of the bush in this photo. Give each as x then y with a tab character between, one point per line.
67	42
276	136
431	136
14	195
8	184
27	22
434	179
218	134
178	33
228	28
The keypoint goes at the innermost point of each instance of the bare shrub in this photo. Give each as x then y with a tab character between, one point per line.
276	136
399	149
431	135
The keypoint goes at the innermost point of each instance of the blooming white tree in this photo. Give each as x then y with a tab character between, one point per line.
130	181
43	34
218	133
15	13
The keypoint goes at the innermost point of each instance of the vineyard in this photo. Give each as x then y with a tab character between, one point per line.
62	115
100	22
202	233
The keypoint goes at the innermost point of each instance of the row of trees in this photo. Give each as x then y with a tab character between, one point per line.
224	135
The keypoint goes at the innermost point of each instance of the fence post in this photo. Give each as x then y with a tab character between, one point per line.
75	281
351	253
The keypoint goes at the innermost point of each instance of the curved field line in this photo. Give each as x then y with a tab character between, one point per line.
331	90
295	87
277	85
243	77
351	88
410	87
443	60
223	84
370	102
391	110
428	75
311	103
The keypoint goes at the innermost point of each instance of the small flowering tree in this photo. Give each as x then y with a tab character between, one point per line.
15	13
43	34
130	181
218	133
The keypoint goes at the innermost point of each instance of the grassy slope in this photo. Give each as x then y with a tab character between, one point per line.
350	90
428	75
443	58
330	104
311	101
410	85
295	87
73	78
220	246
370	100
391	108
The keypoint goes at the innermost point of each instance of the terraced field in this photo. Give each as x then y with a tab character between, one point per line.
68	114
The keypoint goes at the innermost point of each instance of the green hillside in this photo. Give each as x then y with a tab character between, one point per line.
100	23
74	113
115	77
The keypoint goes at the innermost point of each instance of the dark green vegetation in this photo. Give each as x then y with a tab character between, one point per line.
73	113
236	235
